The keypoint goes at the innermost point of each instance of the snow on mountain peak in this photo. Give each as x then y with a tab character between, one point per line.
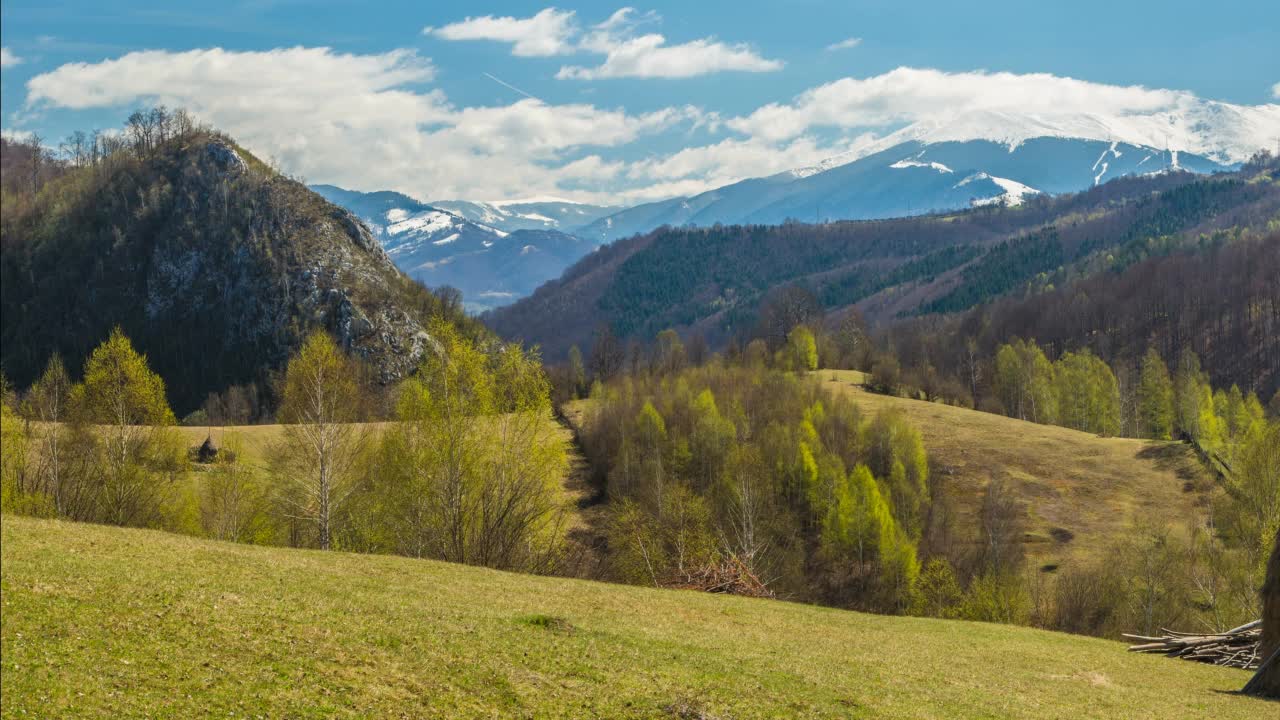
1222	132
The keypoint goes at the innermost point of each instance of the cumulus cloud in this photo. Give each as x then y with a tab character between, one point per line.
545	34
629	54
845	44
1275	91
375	121
8	59
363	120
911	94
626	51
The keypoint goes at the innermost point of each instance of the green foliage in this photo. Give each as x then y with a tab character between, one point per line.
206	268
1005	267
1087	393
14	496
1024	381
469	471
801	353
138	453
749	463
318	455
1155	398
995	598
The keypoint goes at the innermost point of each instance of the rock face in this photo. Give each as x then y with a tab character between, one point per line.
216	267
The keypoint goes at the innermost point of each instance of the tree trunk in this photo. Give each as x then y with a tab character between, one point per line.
1266	683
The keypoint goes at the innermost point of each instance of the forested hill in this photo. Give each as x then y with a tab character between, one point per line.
212	262
711	281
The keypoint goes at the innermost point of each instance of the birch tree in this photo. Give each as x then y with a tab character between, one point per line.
322	438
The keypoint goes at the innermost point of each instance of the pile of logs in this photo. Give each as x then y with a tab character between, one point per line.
731	576
1237	647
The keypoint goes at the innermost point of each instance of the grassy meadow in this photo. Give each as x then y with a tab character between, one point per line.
111	622
1093	488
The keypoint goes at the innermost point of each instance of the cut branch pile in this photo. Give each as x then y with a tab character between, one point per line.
731	576
1237	647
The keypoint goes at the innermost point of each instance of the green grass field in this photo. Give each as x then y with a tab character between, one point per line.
108	622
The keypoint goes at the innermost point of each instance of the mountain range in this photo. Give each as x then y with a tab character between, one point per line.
713	280
490	265
943	164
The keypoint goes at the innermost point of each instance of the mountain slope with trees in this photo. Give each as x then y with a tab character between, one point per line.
716	281
216	265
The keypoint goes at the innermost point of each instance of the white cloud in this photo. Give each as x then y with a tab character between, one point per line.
17	135
910	94
1275	91
361	120
547	33
374	122
845	44
8	59
627	53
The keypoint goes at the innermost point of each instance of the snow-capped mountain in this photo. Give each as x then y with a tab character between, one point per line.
491	267
1005	155
548	213
909	177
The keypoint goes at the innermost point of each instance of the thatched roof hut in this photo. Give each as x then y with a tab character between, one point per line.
208	451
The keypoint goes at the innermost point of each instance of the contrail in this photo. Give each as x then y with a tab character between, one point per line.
509	86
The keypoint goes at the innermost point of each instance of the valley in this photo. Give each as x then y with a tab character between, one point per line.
684	361
124	622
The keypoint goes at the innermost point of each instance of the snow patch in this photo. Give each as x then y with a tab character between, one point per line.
915	163
447	239
1013	195
431	221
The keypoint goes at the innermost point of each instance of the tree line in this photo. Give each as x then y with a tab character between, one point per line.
750	467
683	447
467	470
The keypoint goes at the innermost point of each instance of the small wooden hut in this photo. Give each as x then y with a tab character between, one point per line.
208	451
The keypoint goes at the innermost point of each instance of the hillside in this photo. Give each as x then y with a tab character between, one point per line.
712	280
215	265
111	622
1079	494
1093	488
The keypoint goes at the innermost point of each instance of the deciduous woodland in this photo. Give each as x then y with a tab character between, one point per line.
743	473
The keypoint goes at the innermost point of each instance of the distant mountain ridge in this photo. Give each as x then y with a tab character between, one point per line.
529	214
438	247
711	280
912	177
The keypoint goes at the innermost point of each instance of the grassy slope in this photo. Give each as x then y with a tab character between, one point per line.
1093	487
107	622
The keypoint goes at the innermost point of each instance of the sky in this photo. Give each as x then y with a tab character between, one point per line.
605	102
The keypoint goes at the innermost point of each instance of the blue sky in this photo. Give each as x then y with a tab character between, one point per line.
742	88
